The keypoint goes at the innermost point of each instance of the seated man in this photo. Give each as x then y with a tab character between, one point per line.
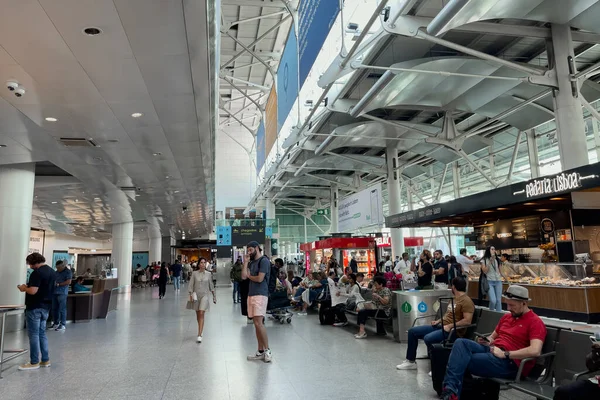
78	286
438	330
519	335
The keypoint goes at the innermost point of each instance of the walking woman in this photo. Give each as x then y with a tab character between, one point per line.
199	288
490	267
163	277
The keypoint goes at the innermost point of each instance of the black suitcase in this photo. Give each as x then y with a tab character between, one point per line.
440	353
479	389
326	314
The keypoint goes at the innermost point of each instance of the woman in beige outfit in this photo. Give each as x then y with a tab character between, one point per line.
201	283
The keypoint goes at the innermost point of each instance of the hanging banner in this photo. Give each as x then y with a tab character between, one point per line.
287	79
271	121
361	209
316	17
260	148
36	242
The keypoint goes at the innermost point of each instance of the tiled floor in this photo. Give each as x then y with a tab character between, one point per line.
147	350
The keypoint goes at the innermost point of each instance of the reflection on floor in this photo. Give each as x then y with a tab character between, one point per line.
147	350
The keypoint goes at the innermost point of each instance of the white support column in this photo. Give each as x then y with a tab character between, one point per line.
532	150
16	203
394	198
155	249
570	127
122	238
335	227
456	180
596	136
270	208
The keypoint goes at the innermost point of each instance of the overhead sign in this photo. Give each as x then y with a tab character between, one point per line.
361	209
557	184
323	211
223	236
242	235
287	79
385	241
36	242
261	153
316	17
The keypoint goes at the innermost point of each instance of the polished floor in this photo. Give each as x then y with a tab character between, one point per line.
147	350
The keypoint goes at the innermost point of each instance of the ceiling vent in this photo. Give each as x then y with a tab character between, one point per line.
77	142
127	188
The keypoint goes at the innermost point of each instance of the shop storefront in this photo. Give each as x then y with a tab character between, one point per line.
363	249
548	228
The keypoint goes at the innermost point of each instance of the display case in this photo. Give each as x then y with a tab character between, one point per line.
559	290
550	274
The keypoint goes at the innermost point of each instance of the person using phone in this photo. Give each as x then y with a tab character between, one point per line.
518	335
425	271
439	329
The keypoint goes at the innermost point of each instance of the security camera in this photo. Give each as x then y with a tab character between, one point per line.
19	92
12	85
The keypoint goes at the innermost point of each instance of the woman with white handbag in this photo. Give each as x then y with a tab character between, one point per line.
199	288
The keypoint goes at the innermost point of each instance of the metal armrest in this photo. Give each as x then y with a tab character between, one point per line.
483	334
462	327
426	316
582	374
526	360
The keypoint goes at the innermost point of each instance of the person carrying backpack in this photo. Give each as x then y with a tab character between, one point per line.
236	278
455	269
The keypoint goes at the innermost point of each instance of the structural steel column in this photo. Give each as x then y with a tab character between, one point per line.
532	150
394	198
570	128
335	226
456	180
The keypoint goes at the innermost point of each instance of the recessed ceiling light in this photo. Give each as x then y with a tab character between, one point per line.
177	191
158	153
167	177
557	198
54	202
51	119
137	114
137	195
501	209
92	31
2	145
529	204
543	209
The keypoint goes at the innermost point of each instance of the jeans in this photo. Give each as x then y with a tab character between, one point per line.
495	295
236	292
177	282
430	334
59	309
468	355
36	329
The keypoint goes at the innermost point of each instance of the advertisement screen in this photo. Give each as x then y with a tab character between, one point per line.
361	209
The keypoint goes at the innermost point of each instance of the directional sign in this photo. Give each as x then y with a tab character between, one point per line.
223	236
323	211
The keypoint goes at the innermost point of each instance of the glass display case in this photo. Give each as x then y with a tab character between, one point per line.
551	274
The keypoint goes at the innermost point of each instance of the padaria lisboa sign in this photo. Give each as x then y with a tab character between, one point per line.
559	183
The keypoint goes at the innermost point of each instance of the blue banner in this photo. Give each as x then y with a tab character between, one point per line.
139	257
316	17
260	148
287	79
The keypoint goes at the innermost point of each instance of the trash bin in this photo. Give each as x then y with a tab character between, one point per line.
411	304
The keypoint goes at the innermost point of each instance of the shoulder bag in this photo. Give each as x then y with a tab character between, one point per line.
483	282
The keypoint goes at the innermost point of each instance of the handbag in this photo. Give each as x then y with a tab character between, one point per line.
484	284
324	295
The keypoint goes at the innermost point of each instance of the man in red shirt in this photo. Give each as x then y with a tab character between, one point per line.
519	335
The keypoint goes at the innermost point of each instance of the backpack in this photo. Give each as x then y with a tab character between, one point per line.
454	271
274	271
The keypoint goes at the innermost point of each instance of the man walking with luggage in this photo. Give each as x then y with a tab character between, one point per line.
517	336
258	273
38	300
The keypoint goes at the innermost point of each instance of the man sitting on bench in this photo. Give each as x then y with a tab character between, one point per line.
439	330
519	335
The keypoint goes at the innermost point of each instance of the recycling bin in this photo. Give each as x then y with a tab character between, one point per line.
411	304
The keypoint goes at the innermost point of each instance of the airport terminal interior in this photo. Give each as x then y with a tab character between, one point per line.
352	179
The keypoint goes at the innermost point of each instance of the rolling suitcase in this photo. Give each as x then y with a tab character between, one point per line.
439	356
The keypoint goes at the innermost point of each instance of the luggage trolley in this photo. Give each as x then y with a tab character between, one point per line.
279	306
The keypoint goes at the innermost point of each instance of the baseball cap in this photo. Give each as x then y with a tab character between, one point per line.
253	244
516	292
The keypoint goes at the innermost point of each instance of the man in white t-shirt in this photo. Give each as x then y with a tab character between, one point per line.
403	266
464	261
389	266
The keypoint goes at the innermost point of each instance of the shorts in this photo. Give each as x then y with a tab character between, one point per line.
257	306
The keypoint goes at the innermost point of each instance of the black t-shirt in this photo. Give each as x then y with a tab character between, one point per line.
444	277
44	278
176	270
425	280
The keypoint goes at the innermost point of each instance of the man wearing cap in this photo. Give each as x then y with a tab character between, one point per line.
517	336
258	297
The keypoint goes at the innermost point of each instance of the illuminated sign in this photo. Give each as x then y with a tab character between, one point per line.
503	235
546	186
383	241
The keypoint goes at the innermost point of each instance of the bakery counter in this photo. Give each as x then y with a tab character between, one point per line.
576	303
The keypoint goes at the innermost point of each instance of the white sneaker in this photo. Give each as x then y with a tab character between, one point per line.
407	365
302	313
341	323
360	336
53	327
199	340
267	356
429	374
29	367
249	321
257	356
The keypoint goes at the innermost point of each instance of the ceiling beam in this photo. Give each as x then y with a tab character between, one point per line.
255	3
